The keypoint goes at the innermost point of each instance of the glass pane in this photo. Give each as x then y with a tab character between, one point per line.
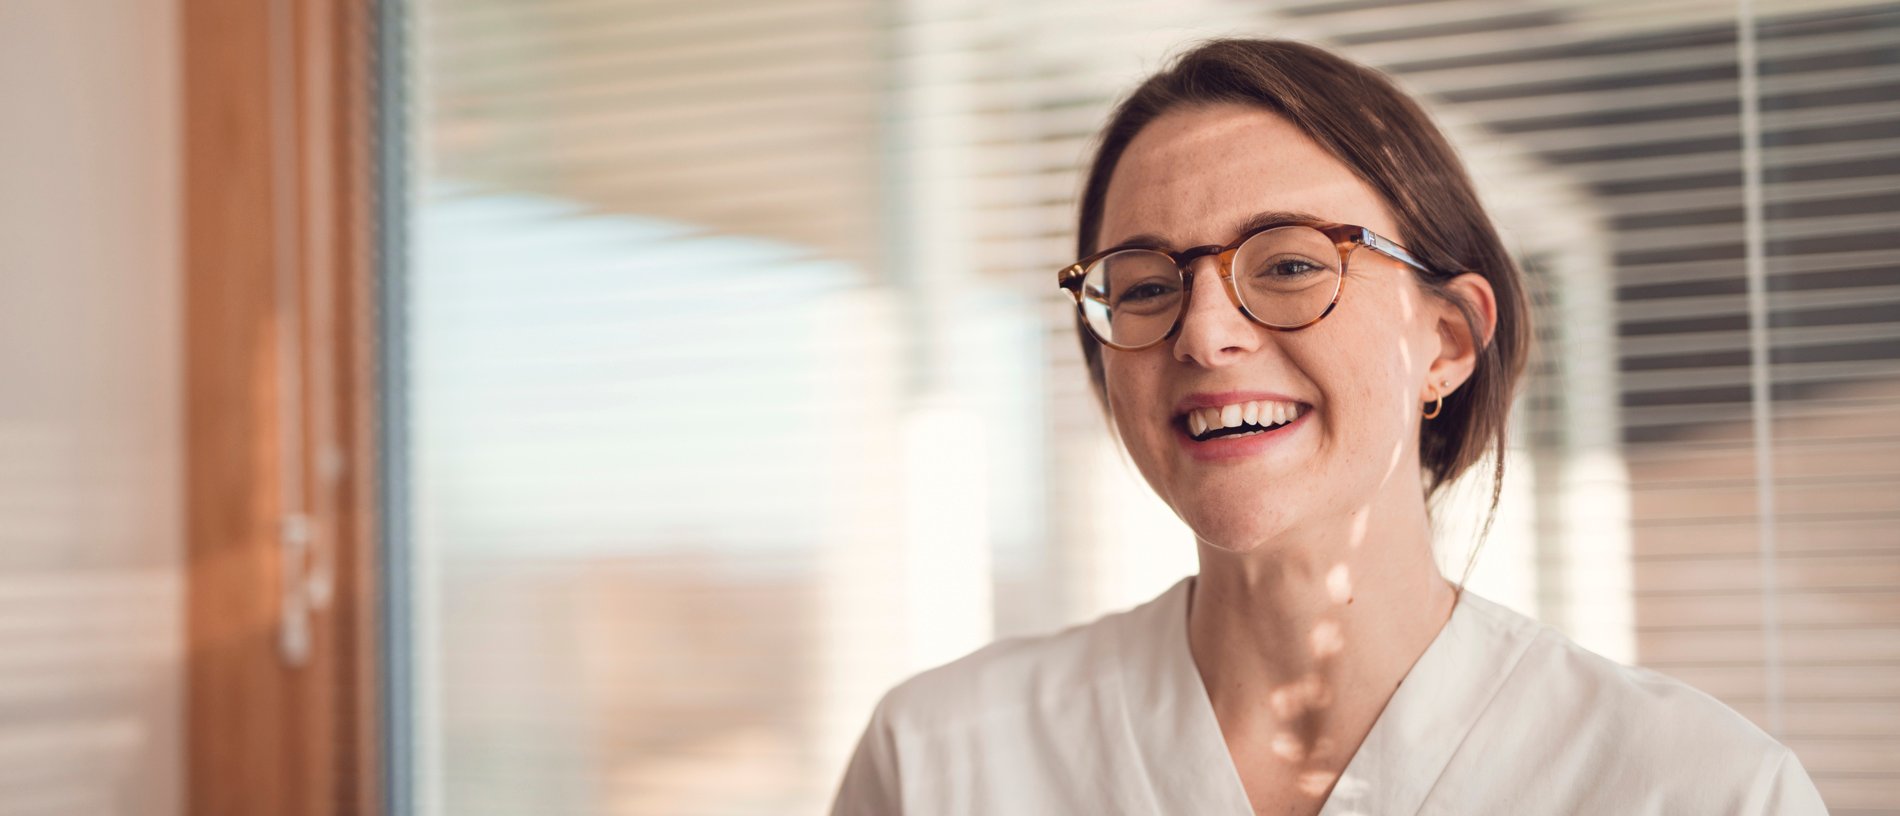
701	461
741	389
92	398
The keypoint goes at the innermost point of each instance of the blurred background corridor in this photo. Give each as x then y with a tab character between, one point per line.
463	407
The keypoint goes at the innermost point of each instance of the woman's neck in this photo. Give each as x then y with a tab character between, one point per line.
1300	643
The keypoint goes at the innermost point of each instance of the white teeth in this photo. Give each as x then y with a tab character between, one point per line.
1263	413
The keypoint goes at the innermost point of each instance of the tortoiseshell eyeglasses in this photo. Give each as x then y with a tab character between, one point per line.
1284	275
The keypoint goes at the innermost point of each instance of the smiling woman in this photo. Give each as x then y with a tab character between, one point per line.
1302	325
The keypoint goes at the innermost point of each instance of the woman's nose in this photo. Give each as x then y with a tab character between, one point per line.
1214	331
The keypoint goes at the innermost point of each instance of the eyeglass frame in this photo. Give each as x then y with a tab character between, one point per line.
1345	238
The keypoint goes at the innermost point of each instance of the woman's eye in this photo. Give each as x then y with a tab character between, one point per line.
1144	291
1289	268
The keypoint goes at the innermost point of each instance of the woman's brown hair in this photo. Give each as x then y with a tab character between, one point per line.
1360	116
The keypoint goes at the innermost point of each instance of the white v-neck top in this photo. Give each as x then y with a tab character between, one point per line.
1501	714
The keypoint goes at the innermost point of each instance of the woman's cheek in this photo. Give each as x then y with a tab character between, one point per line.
1129	426
1146	434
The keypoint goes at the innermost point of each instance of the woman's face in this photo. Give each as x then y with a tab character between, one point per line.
1357	379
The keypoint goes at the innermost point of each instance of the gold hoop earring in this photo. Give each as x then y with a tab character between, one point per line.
1438	403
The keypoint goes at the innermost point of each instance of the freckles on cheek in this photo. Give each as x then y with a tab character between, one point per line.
1364	410
1128	421
1129	396
1379	375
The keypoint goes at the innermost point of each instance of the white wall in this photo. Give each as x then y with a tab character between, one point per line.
91	616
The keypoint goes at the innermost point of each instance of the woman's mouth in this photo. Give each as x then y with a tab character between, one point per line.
1237	429
1239	419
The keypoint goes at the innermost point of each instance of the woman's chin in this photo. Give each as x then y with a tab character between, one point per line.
1232	535
1236	546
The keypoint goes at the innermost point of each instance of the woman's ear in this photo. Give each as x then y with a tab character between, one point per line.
1472	302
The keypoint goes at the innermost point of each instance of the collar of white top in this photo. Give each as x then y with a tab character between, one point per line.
1409	745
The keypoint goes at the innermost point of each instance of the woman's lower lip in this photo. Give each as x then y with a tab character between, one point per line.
1235	447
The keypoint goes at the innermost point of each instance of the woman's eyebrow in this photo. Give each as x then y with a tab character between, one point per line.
1254	222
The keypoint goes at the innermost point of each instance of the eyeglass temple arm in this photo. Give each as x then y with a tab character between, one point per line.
1069	275
1371	239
